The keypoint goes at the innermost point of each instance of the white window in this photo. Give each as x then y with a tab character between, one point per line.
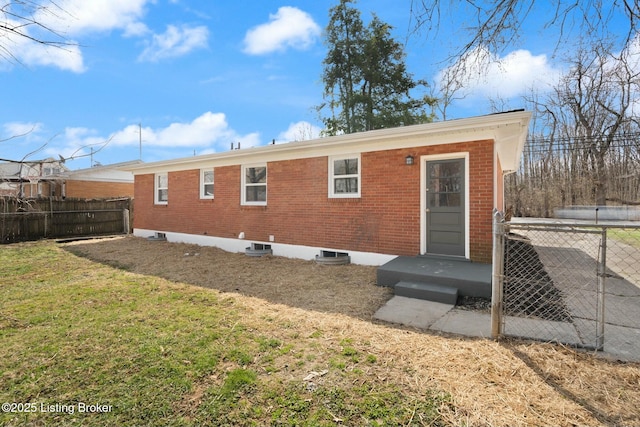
51	171
254	184
344	176
161	189
206	184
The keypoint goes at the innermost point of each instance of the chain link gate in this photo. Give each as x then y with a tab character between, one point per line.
574	284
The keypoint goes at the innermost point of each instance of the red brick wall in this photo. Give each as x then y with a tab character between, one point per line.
97	189
385	219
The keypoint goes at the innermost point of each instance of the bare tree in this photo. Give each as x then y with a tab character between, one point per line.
494	26
498	24
583	148
25	20
599	93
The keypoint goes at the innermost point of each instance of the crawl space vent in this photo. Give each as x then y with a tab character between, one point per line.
333	258
258	249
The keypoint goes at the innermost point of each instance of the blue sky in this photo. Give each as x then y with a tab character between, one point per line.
196	76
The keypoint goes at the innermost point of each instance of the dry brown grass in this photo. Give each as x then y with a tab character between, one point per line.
503	383
349	290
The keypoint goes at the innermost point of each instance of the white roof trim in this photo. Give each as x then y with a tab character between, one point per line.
508	130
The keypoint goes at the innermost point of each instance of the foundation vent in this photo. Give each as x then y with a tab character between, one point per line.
333	258
158	237
258	249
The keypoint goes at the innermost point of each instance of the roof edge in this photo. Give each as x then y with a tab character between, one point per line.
491	121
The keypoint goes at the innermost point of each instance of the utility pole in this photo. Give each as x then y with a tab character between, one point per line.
140	140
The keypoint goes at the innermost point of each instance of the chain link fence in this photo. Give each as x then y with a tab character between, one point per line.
572	283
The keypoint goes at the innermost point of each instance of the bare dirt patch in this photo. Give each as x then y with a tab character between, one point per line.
343	289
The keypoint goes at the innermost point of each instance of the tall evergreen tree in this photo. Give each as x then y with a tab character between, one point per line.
366	82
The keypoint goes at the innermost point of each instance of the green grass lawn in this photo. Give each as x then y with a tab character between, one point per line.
630	236
150	352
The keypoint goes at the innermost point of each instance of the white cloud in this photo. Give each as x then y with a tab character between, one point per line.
68	58
208	133
77	142
82	16
209	130
175	42
515	74
299	131
66	19
14	129
289	27
24	49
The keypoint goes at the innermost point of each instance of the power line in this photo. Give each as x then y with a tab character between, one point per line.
546	145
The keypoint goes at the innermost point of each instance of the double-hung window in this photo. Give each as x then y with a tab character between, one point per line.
161	189
344	176
206	184
254	184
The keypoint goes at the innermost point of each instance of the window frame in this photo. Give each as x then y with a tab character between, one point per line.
332	177
157	188
245	185
203	184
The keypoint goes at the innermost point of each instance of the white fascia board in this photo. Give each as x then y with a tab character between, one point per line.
102	176
509	130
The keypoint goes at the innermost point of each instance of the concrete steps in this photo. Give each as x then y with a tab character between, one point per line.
427	291
439	279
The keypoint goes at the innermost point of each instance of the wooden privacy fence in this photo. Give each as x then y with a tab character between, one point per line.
33	219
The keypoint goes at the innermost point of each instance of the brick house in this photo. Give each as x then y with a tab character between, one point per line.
99	182
32	179
423	189
52	178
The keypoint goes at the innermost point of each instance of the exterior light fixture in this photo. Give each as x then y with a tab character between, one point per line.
408	160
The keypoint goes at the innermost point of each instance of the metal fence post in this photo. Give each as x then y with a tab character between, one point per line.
602	276
125	220
497	274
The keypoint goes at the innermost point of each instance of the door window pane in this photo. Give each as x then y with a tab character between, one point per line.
445	184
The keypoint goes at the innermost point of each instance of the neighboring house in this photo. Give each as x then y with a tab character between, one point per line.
423	189
51	178
29	179
100	182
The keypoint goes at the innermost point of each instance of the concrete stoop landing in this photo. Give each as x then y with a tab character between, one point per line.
436	278
426	291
